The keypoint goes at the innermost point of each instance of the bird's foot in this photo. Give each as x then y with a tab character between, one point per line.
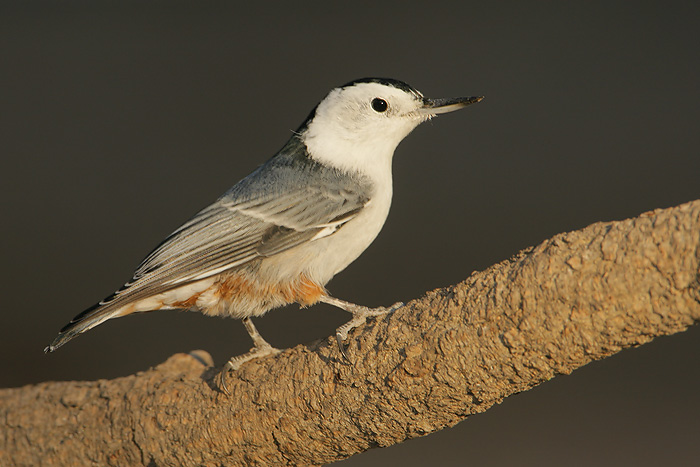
260	350
236	362
359	317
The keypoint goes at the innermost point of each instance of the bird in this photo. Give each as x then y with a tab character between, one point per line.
279	235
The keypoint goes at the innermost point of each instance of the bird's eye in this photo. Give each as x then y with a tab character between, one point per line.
379	105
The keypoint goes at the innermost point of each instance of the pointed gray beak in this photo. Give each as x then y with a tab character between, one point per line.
442	106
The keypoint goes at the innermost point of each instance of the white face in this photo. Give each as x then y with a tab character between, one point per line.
359	127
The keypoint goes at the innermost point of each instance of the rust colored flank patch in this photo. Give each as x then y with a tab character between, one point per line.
303	291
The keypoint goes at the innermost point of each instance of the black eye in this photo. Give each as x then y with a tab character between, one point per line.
379	105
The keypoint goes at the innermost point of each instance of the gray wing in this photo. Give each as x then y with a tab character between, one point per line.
229	233
286	202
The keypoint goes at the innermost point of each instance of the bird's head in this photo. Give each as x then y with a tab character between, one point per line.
358	126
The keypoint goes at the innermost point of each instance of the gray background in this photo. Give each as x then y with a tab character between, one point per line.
118	121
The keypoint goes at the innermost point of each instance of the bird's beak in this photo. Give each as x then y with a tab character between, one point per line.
442	106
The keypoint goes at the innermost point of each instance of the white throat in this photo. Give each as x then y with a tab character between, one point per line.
369	156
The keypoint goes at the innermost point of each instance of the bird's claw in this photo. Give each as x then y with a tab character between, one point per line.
339	339
221	377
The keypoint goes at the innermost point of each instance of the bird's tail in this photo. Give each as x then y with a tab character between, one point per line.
86	320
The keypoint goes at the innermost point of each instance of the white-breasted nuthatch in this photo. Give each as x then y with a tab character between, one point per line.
280	234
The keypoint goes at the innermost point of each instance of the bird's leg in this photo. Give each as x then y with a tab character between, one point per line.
359	317
261	349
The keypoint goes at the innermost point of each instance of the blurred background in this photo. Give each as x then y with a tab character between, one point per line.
119	120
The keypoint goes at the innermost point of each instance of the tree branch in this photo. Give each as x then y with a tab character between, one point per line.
578	297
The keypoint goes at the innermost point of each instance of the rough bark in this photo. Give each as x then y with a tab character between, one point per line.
577	297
